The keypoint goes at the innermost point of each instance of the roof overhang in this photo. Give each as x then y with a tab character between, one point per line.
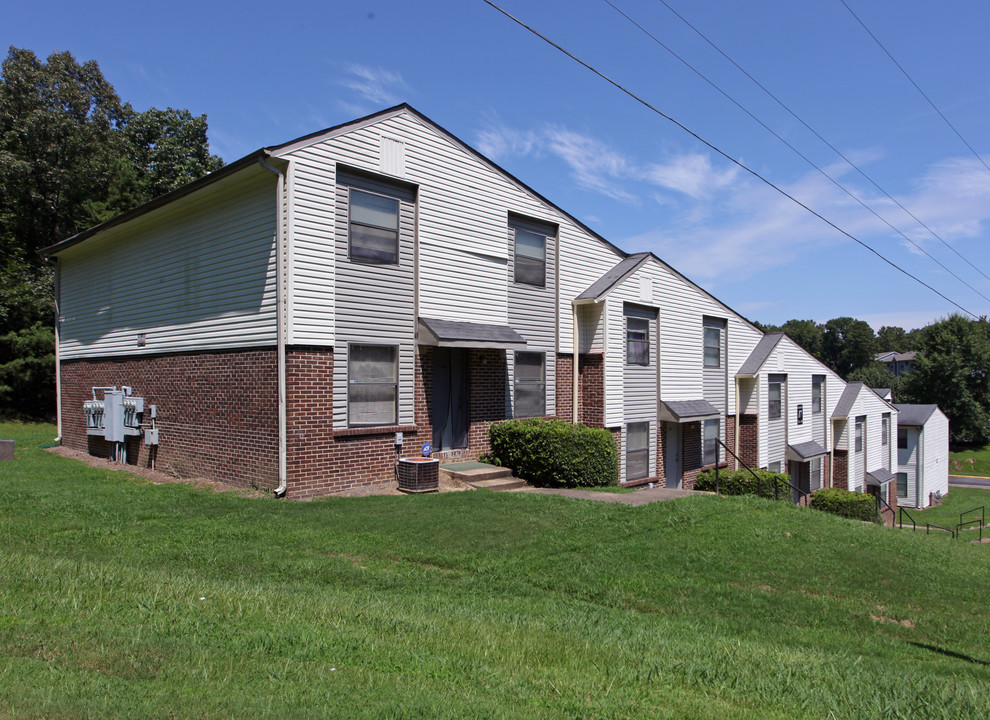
450	333
879	478
802	452
686	411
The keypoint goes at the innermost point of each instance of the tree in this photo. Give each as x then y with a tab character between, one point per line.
891	338
806	333
71	155
847	344
952	370
876	375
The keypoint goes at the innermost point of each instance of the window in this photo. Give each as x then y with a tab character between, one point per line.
530	259
710	448
775	387
637	450
859	429
637	341
816	473
774	467
902	438
373	234
885	429
713	346
530	397
372	385
817	382
902	485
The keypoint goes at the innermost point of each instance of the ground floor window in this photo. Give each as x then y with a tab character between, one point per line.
902	485
372	385
530	394
774	467
816	473
710	443
637	451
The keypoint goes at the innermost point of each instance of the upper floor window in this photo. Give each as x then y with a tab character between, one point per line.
529	249
817	383
638	321
713	329
373	230
902	485
530	393
775	393
902	438
860	429
372	385
885	429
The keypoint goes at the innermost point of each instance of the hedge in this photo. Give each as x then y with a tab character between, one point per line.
553	453
742	482
854	505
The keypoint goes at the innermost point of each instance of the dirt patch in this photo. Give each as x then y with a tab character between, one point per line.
159	477
883	619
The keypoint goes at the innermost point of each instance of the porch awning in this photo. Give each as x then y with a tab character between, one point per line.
879	478
802	452
448	333
685	411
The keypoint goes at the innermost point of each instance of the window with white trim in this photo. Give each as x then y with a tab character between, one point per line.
373	227
816	473
713	329
530	392
710	442
372	385
775	393
637	451
859	429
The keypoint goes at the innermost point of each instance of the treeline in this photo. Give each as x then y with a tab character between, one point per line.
72	155
952	369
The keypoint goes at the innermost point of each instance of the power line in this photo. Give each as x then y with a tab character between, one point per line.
819	136
721	152
916	87
794	149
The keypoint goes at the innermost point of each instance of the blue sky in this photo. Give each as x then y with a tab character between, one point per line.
267	73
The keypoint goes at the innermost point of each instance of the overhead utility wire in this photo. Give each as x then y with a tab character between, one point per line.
916	87
721	152
795	150
817	135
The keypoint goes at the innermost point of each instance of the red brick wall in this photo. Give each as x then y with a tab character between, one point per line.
840	476
749	445
217	411
591	378
565	387
691	455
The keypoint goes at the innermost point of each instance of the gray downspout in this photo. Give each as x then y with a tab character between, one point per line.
58	353
280	322
575	383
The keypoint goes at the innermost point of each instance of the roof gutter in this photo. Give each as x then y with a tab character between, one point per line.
281	305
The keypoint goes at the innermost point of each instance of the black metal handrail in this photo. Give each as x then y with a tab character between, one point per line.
881	501
929	526
981	520
983	513
802	495
901	512
962	526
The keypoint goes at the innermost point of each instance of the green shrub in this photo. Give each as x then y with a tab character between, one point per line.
741	482
855	505
553	453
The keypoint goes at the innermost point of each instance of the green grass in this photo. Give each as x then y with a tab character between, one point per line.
958	500
122	599
973	462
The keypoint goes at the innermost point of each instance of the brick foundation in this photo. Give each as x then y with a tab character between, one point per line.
217	412
591	389
749	445
840	475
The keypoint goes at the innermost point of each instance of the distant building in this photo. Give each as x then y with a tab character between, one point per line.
898	363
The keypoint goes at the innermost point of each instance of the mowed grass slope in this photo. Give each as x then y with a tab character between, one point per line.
123	599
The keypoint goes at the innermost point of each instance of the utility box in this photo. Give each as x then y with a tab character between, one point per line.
116	416
151	436
6	449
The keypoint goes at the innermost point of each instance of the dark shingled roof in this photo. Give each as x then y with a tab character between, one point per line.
847	399
805	451
448	333
914	414
879	477
760	353
687	410
610	279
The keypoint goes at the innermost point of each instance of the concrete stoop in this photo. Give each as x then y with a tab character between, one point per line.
488	477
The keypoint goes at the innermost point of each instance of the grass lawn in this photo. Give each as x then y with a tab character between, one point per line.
124	599
974	462
959	500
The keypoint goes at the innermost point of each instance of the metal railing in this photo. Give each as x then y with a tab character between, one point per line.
929	526
901	512
963	522
798	496
881	502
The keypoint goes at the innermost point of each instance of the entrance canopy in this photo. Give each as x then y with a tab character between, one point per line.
685	411
803	452
448	333
879	478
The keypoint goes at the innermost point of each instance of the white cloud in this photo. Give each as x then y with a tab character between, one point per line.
595	166
691	174
374	85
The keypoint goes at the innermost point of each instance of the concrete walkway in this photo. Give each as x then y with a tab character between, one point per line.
637	497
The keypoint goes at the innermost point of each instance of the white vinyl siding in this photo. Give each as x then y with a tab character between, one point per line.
908	463
776	429
196	275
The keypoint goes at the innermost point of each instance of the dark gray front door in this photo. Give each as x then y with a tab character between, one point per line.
450	399
800	478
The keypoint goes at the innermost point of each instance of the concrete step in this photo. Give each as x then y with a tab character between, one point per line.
489	477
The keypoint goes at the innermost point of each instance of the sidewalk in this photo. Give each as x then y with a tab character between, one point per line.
637	497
